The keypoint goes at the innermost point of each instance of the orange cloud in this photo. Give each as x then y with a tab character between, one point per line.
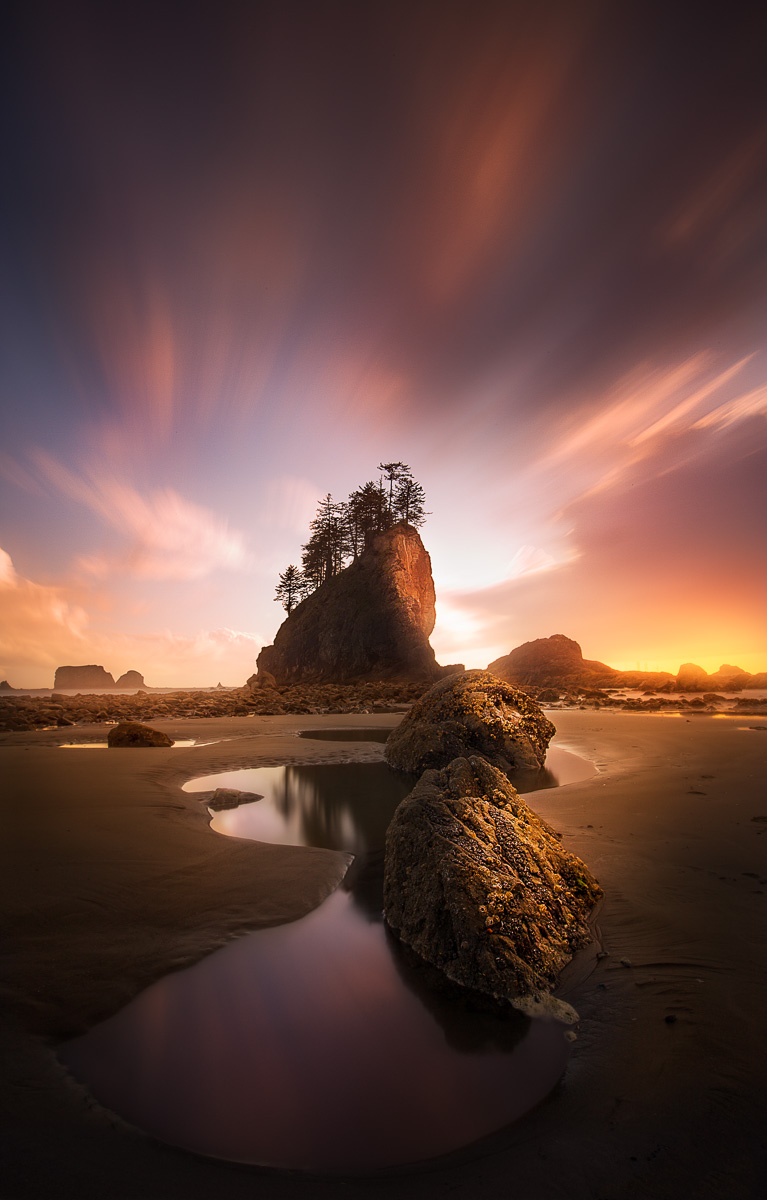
41	625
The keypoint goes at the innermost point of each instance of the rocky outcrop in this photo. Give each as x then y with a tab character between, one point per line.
478	885
371	621
558	661
79	679
131	679
6	687
470	713
132	733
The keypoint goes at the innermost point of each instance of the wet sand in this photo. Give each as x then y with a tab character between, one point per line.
111	877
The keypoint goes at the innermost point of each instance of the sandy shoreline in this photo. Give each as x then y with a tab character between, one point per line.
111	877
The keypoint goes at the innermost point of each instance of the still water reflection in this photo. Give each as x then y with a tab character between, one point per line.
322	1044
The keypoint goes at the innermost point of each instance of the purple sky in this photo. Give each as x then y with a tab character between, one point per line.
250	250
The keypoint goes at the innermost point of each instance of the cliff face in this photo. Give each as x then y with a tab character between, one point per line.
79	678
370	622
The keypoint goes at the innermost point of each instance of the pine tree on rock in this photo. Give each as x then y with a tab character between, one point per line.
323	555
291	589
343	531
409	501
393	473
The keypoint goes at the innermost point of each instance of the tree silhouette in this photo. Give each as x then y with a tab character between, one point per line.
409	500
291	589
341	531
366	515
323	555
393	472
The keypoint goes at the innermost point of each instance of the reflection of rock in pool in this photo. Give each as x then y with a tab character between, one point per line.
307	1046
320	1044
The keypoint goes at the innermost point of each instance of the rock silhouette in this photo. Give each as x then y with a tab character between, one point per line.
371	621
131	679
80	678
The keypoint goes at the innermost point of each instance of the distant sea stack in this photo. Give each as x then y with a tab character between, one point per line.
131	679
370	622
558	661
690	675
80	678
692	678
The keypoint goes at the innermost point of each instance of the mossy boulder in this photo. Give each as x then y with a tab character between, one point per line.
481	887
472	712
133	733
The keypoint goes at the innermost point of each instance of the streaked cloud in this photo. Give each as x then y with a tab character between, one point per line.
751	404
522	247
168	537
290	503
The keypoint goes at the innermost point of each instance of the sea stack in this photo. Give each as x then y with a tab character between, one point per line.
370	622
131	679
87	678
558	662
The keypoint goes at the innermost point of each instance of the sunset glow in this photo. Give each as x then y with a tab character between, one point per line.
246	260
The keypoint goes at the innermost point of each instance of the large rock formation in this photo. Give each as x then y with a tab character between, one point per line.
131	679
82	678
477	884
372	621
472	712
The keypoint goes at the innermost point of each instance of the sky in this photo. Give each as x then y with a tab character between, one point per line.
249	251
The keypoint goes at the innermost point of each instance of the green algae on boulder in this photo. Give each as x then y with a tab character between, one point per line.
480	886
133	733
472	712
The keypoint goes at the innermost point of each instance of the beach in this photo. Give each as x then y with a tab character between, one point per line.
112	878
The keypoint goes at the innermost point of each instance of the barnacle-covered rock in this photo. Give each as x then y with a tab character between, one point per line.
472	712
133	733
479	885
